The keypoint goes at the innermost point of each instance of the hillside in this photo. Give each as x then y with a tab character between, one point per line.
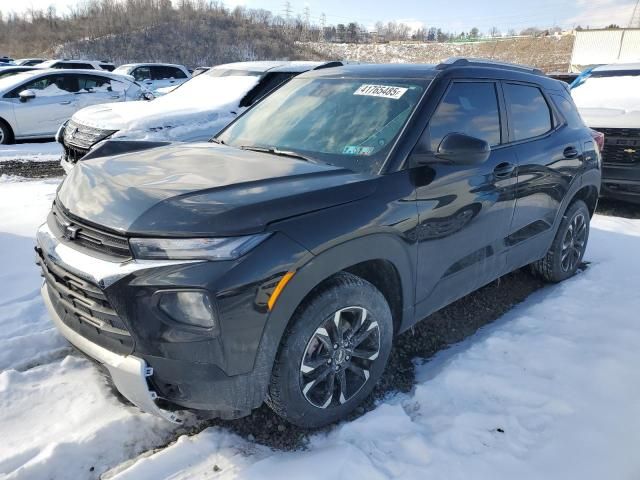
547	53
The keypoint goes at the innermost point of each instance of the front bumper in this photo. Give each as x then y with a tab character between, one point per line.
621	182
129	373
227	374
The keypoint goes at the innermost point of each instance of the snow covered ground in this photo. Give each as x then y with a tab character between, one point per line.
34	152
549	391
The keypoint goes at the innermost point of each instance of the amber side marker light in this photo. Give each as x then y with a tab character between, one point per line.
278	290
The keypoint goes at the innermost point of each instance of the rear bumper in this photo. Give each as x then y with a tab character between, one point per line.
129	373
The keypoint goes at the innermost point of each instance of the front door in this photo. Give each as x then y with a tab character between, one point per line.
53	104
464	211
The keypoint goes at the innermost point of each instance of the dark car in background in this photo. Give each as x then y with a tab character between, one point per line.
278	263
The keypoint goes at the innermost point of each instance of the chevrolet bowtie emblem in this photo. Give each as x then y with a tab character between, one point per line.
629	150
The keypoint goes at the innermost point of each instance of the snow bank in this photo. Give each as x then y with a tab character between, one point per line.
58	417
549	391
32	152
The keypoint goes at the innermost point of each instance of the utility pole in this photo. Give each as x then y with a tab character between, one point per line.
287	11
635	16
323	23
307	15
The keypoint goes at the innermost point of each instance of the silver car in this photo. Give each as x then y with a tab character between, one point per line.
34	104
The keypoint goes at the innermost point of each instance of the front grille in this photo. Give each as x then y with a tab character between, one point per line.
84	308
80	234
621	145
82	137
73	154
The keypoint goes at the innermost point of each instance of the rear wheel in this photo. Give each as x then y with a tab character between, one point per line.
568	247
333	354
6	135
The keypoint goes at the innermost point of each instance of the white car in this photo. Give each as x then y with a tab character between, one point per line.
608	99
79	64
34	104
156	75
195	111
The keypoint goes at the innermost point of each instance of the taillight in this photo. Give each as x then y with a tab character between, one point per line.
598	137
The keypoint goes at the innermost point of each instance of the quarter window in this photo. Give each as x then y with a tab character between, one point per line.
568	110
470	108
529	113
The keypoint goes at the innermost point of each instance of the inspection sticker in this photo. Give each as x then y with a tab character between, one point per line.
384	91
357	150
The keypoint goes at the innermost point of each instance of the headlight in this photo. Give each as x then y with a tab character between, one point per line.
224	248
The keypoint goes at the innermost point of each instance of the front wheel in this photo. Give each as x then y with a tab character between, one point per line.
568	247
333	354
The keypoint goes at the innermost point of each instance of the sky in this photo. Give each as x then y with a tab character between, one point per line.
456	16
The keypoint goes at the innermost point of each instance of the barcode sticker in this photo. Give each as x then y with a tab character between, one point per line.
384	91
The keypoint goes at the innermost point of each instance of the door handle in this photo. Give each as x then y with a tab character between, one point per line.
504	170
115	96
571	152
66	102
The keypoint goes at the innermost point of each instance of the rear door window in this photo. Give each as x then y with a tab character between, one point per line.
91	83
142	73
470	108
164	73
529	113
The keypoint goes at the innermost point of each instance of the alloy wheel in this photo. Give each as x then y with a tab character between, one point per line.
338	358
573	243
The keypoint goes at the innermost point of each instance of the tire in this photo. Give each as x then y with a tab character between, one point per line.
307	386
6	135
568	247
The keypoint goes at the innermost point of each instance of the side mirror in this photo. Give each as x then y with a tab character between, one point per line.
462	149
26	95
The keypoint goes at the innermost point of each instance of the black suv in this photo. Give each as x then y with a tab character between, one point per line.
278	263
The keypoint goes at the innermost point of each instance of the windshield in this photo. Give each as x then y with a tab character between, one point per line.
621	91
9	73
347	122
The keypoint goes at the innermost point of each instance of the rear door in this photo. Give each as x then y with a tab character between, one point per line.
96	89
464	211
549	156
166	76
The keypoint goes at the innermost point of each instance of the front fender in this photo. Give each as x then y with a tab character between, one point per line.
313	269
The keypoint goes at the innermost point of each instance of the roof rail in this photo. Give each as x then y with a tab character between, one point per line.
481	62
329	65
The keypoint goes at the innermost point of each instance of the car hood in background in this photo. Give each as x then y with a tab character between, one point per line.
196	110
610	117
203	189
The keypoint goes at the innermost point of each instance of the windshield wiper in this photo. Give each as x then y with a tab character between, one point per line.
277	151
215	140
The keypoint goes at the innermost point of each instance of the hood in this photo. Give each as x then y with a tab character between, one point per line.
196	110
203	189
610	117
609	102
